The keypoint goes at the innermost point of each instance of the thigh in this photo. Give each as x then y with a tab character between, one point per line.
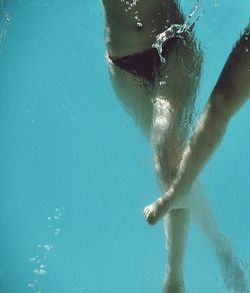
135	94
174	108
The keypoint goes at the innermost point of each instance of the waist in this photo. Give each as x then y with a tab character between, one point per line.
143	64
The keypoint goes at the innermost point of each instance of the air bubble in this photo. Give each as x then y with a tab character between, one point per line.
48	247
139	24
32	259
39	272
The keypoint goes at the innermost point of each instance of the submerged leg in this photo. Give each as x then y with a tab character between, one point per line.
172	118
233	274
176	230
176	222
231	91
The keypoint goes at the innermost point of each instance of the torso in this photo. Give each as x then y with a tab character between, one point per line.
132	25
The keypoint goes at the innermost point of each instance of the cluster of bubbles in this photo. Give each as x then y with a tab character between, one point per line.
129	6
138	20
54	219
44	250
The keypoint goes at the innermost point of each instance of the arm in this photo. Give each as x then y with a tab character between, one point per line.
231	91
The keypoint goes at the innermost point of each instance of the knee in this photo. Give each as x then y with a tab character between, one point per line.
166	167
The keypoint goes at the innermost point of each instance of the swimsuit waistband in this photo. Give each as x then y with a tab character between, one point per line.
144	64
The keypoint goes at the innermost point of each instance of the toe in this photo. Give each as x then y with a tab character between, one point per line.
150	221
146	210
149	213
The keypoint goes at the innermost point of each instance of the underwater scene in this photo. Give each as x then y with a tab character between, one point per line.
83	151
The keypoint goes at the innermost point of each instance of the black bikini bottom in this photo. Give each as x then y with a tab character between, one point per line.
144	64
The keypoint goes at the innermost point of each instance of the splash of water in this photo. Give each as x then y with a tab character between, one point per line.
177	30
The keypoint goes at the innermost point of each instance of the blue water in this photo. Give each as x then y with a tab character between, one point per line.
76	172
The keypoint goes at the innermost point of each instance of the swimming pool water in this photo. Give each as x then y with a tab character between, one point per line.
76	172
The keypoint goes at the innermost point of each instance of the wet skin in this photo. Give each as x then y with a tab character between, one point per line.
164	110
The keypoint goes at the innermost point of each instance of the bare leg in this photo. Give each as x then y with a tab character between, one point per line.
229	94
232	272
176	225
176	230
136	97
168	154
137	100
173	108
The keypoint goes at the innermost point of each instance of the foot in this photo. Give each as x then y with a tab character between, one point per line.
155	211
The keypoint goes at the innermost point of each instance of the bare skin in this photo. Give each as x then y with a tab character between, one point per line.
164	111
231	91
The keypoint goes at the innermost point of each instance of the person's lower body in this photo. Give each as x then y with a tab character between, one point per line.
164	111
173	111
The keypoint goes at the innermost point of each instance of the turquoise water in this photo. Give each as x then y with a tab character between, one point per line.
76	172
